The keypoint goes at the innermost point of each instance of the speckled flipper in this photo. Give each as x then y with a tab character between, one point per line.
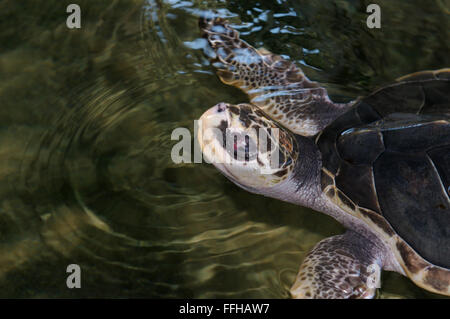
277	86
339	267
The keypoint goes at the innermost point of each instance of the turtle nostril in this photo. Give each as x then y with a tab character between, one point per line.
221	107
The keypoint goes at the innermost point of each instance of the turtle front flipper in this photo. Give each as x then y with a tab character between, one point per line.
275	85
339	267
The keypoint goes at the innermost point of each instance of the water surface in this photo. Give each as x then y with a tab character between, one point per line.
86	118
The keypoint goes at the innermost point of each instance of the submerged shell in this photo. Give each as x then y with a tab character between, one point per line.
391	154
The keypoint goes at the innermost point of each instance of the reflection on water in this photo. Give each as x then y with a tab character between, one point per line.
85	123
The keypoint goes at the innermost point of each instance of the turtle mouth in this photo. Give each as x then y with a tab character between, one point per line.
212	134
212	138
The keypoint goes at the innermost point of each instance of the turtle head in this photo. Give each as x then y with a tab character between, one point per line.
246	146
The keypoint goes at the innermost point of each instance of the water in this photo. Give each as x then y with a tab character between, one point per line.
85	123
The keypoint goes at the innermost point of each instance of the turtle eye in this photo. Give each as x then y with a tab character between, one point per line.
242	148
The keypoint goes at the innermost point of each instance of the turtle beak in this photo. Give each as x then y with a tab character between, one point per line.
212	132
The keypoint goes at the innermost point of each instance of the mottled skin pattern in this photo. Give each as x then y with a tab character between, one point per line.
276	86
250	117
341	266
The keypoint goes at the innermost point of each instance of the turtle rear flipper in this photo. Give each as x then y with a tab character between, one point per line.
339	267
275	85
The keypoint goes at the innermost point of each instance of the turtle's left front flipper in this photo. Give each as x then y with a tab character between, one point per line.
276	85
339	267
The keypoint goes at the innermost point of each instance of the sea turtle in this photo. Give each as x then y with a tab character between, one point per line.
379	165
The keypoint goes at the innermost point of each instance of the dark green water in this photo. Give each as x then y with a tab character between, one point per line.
86	117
